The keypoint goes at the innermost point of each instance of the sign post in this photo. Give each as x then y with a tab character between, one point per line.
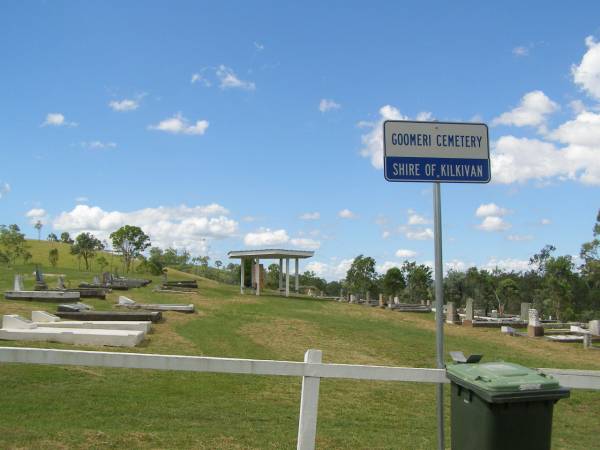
437	152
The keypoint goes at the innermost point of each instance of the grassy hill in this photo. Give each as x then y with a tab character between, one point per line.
70	407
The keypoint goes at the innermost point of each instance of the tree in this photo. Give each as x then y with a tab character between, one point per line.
38	226
66	238
506	291
393	281
590	254
218	263
86	245
361	275
13	243
102	262
272	276
559	282
53	257
418	280
454	287
52	237
129	241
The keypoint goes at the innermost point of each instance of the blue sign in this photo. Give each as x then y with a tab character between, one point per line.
436	151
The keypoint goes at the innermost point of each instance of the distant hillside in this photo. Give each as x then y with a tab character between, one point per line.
40	250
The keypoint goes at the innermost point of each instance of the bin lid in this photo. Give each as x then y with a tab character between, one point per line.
502	381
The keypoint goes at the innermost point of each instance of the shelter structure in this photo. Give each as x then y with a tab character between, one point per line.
256	255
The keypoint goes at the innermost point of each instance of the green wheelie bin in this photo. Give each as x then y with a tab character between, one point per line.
501	406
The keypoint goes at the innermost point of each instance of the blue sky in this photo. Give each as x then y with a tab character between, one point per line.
227	125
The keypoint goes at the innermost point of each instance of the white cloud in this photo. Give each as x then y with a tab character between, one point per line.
57	120
229	80
533	111
521	51
425	116
416	219
311	216
386	234
82	199
126	104
405	253
180	125
387	265
179	227
545	221
36	214
372	141
490	209
265	236
200	78
249	218
328	105
456	265
508	264
258	46
493	223
519	237
587	74
98	145
330	271
418	234
4	189
305	243
346	214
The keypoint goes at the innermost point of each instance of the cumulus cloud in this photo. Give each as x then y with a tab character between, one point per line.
330	271
533	110
266	236
385	234
180	125
201	79
57	120
311	216
416	219
81	199
178	227
98	145
328	105
36	214
405	253
586	74
508	264
126	104
545	221
229	80
372	140
490	209
4	189
346	214
305	243
493	223
387	265
418	234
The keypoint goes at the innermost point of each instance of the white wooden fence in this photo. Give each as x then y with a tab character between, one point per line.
311	371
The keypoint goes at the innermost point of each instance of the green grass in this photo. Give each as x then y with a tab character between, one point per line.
76	407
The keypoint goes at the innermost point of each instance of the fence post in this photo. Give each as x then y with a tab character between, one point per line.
309	405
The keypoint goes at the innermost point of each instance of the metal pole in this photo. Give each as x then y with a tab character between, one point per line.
439	307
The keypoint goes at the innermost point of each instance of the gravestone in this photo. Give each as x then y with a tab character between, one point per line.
594	327
352	298
451	313
468	321
96	280
381	304
525	307
428	302
18	283
587	341
368	300
40	284
61	282
396	301
534	327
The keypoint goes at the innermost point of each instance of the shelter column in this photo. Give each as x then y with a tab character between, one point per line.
242	275
280	274
257	276
287	277
297	283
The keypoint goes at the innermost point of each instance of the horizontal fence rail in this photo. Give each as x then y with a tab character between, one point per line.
311	371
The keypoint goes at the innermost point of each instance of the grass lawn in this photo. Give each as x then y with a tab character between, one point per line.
69	407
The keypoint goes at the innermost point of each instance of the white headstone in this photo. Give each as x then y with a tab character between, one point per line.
396	300
534	318
19	283
594	327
